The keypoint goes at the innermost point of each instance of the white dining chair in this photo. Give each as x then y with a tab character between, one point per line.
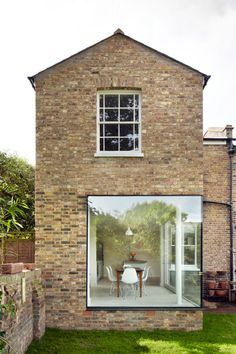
144	279
112	279
129	280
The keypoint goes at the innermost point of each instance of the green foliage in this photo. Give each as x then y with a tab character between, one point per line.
10	212
8	307
145	220
218	336
17	192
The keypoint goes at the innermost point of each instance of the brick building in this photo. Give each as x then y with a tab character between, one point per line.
120	177
219	200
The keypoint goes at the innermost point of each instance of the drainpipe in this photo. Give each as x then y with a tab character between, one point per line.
231	152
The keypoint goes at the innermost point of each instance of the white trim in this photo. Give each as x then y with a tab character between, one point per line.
192	266
132	153
128	153
214	142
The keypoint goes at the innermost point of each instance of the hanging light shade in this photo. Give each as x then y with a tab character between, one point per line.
129	232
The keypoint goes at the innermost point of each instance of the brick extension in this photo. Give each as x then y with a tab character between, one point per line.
67	170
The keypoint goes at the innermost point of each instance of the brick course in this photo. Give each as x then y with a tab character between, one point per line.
67	170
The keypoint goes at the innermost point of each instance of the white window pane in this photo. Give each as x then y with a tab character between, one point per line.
189	255
126	144
101	144
111	100
127	130
111	114
111	129
126	115
101	100
111	144
126	100
101	115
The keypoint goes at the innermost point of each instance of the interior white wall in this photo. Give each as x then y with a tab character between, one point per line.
115	258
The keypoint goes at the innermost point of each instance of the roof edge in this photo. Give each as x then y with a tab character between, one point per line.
120	33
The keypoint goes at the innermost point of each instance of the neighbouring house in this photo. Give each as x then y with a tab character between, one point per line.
219	183
124	183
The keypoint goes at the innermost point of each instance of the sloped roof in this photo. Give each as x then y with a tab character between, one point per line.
119	32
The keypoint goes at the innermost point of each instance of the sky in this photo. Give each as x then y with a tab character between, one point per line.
38	33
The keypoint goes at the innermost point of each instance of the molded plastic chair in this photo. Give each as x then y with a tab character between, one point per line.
130	279
144	278
112	279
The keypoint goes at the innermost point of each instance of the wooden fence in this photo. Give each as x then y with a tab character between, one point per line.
19	250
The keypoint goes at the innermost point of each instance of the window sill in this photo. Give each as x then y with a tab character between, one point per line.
118	154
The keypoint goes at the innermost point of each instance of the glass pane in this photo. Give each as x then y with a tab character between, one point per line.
111	100
136	101
126	130
136	115
101	129
111	114
101	101
111	129
189	239
111	144
101	144
126	144
101	115
136	144
189	234
189	255
126	100
199	246
152	220
126	115
192	286
136	129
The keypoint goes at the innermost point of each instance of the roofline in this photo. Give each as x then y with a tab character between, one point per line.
205	76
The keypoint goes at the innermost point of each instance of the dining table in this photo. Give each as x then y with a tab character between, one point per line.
120	271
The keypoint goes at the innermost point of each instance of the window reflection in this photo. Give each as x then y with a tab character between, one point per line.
142	232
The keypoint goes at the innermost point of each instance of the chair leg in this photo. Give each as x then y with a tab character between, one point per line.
112	288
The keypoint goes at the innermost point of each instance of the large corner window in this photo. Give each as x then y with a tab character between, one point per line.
118	123
144	251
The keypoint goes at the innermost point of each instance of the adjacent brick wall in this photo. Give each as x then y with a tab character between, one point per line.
67	170
234	207
216	227
29	322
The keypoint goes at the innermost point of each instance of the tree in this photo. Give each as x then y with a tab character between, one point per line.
17	188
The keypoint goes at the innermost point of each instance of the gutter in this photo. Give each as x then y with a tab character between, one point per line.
231	152
31	79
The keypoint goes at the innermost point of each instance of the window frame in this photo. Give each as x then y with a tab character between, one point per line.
90	307
193	266
131	153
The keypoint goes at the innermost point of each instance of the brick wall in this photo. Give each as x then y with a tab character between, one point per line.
29	322
67	170
216	227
